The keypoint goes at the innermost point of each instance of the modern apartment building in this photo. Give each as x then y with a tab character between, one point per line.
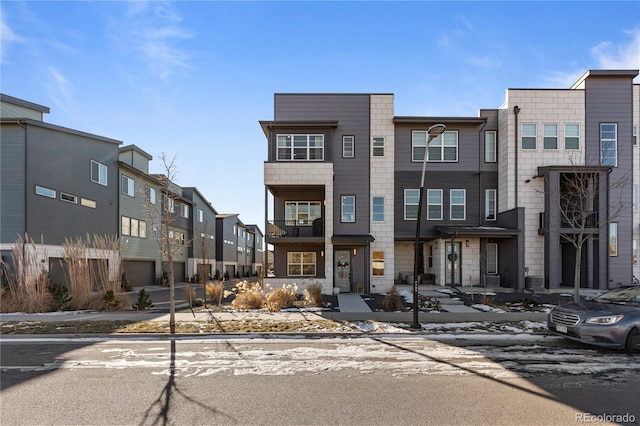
202	250
343	174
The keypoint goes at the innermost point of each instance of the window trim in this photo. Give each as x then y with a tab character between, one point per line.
310	218
528	136
130	189
200	215
377	271
346	141
68	198
344	198
613	239
441	204
417	203
290	146
487	207
149	192
495	270
302	263
46	192
441	138
551	137
373	209
102	171
377	146
184	210
464	204
571	137
491	156
615	144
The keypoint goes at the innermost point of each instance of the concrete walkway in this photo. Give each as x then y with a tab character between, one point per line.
352	302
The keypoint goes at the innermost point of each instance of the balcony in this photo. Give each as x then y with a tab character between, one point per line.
295	230
580	220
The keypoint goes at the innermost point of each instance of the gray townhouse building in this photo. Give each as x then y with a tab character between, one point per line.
239	247
256	243
56	183
202	250
343	174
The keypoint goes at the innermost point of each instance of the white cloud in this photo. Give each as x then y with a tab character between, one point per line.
623	56
153	30
7	38
60	89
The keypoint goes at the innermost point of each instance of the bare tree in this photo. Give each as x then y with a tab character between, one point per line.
163	217
203	254
582	190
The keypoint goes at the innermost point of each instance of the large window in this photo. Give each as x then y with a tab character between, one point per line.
348	208
127	186
378	147
492	258
490	147
457	204
377	263
613	239
609	144
98	173
300	147
377	207
301	263
411	197
571	136
443	148
151	195
434	204
529	132
550	138
348	146
133	227
184	210
302	212
490	204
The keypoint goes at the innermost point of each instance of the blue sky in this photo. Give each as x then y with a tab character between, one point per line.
192	79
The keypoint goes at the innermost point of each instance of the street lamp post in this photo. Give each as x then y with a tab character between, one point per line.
432	133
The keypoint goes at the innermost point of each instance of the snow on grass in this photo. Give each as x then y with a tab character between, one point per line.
487	308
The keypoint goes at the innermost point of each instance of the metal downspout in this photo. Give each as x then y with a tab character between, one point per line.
516	111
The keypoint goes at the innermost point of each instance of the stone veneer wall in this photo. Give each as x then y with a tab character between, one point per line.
540	107
382	185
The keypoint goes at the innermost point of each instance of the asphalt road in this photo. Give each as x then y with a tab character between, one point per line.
384	379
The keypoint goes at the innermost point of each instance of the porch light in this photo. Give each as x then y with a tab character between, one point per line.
354	252
432	133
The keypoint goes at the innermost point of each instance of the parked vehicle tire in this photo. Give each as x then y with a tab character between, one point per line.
633	341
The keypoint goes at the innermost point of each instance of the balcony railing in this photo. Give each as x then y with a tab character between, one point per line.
295	228
580	219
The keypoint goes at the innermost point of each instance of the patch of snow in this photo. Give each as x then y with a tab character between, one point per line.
486	308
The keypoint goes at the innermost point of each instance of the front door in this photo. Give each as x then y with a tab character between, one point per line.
342	270
452	263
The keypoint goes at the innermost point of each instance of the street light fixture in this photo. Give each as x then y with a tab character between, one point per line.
432	133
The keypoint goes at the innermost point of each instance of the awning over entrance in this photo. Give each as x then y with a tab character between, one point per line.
476	231
352	239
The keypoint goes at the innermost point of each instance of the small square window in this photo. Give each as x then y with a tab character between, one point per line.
378	147
69	198
45	192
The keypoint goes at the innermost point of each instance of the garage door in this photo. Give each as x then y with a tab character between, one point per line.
139	273
179	271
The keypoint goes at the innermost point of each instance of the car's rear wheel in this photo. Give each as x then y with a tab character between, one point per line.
633	341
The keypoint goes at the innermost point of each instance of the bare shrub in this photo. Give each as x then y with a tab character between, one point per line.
392	301
280	298
247	301
313	295
27	284
190	294
214	292
108	262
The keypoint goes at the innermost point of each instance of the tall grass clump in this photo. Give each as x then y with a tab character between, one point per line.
27	285
281	298
312	295
214	292
392	301
248	296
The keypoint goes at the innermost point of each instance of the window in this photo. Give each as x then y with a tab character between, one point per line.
68	198
377	213
98	173
635	134
348	208
301	263
490	147
302	212
126	226
300	147
128	186
434	204
529	132
184	210
608	144
171	204
490	204
634	252
377	263
571	136
200	216
411	197
88	203
143	229
457	204
635	197
613	239
444	148
348	146
151	195
135	228
378	147
45	192
418	145
550	136
492	258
